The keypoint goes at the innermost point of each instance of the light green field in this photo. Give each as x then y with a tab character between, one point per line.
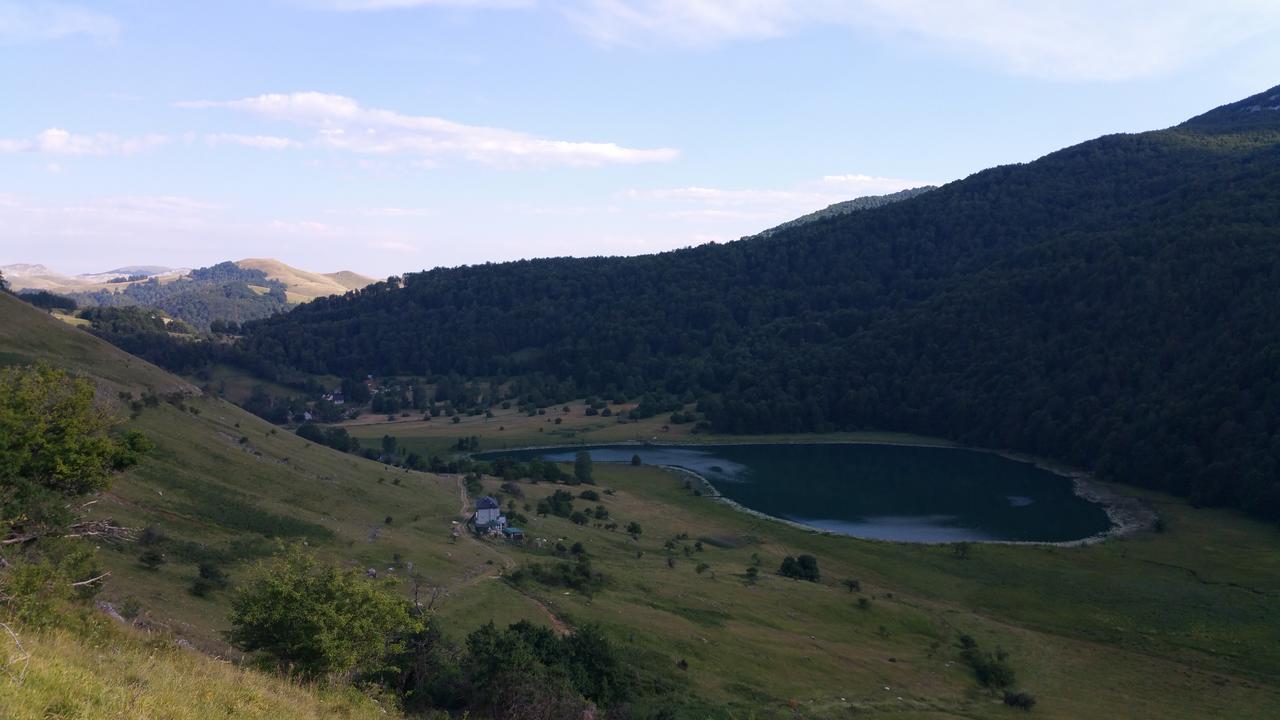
510	429
1180	624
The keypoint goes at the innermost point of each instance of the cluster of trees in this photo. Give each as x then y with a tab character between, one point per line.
1111	305
224	292
314	621
131	321
577	574
994	672
804	567
46	300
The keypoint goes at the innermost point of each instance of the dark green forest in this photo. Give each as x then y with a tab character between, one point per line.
218	292
1113	305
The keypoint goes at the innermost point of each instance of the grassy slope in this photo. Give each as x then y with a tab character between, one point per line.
304	285
221	499
1180	624
126	675
1121	629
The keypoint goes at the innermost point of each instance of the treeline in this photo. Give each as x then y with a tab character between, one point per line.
46	300
1111	305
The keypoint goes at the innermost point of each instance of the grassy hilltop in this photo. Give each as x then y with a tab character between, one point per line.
1179	624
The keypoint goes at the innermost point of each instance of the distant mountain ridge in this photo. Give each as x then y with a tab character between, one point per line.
301	285
868	202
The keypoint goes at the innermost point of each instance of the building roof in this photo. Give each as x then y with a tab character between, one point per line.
487	503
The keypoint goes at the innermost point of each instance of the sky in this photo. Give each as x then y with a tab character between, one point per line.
388	136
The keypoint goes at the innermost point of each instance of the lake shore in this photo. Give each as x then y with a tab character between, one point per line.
1127	514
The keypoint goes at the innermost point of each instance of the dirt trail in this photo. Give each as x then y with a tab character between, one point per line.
508	563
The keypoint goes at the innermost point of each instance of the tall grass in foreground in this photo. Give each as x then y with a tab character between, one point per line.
59	674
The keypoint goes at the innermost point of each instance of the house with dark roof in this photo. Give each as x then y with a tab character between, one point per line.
488	517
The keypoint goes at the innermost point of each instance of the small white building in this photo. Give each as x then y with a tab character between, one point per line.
488	517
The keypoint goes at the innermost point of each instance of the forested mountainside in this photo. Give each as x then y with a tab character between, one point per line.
869	202
220	292
1112	304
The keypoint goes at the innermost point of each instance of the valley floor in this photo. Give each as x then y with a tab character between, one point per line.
1183	623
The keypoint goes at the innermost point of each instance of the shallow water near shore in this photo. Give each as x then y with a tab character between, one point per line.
882	492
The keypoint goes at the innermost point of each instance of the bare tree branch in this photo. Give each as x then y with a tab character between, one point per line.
23	657
90	581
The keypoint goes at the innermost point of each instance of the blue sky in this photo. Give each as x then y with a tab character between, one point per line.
385	136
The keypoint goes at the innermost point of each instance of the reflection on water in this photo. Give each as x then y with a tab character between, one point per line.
885	492
903	528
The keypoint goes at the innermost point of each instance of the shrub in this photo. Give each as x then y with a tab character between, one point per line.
804	567
314	620
591	495
578	575
991	670
210	578
1020	700
129	608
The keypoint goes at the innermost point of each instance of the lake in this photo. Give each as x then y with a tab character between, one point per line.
883	492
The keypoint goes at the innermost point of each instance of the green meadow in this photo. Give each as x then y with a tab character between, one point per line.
1183	623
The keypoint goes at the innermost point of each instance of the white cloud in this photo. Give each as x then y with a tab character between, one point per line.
1061	39
41	21
262	142
107	219
56	141
341	123
689	22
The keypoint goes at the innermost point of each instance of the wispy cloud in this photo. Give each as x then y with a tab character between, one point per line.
43	21
687	22
394	212
341	123
125	216
305	227
56	141
261	142
1062	39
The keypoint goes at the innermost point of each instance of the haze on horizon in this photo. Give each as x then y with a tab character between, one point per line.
384	136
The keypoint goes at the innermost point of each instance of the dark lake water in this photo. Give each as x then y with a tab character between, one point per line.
885	492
